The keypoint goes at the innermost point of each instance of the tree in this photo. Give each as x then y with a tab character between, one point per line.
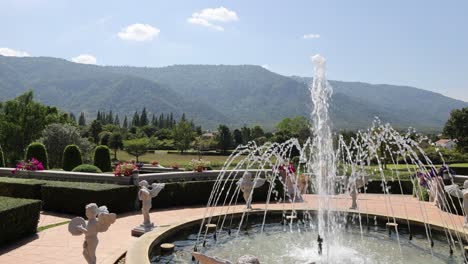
237	134
72	118
56	137
71	157
136	119
102	158
246	135
21	122
116	143
257	132
125	123
82	120
183	135
95	129
456	127
143	118
104	138
2	159
117	120
136	147
297	127
224	138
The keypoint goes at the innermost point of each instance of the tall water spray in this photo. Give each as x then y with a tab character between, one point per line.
322	159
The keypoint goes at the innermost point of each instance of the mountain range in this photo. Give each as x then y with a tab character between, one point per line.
216	94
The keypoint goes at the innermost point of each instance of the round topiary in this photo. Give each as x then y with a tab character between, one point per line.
87	168
71	157
102	158
38	151
2	158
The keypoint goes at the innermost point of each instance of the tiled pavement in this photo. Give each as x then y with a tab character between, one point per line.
56	245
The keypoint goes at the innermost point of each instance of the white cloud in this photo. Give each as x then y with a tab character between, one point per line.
311	36
85	59
139	32
207	16
266	66
13	53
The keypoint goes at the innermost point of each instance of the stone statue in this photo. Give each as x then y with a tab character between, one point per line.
204	259
246	184
146	194
455	191
353	185
99	220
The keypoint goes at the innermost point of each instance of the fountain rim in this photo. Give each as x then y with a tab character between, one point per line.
140	250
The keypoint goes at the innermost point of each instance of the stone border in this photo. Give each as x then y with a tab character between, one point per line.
140	250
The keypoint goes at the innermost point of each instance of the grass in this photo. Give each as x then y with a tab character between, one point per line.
167	160
42	228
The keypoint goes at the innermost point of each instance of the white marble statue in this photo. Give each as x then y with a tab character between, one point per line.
353	185
204	259
99	220
246	184
146	194
455	191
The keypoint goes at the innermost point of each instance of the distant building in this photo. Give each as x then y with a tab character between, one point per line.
446	143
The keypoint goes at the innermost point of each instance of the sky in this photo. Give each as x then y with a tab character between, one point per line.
417	43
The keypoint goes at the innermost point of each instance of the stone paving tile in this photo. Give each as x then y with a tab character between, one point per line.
56	245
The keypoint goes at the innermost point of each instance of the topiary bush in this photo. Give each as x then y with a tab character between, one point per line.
71	157
74	196
102	158
87	168
18	218
2	158
37	150
21	188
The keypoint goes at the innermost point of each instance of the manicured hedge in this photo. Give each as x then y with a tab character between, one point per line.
102	158
21	188
460	170
71	157
72	197
198	193
87	168
2	158
18	218
38	150
393	187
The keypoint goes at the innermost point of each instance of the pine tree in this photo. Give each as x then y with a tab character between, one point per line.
117	120
161	120
98	117
183	117
125	122
171	121
136	119
73	117
82	120
143	118
110	118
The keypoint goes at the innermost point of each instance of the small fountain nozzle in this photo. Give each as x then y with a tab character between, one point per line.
320	241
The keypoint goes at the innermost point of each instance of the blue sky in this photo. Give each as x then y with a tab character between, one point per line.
418	43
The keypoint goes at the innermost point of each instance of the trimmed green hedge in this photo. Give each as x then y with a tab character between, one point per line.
21	188
72	197
71	157
198	193
102	158
18	218
2	158
87	168
375	186
38	150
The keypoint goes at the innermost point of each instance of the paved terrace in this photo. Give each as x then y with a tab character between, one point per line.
56	245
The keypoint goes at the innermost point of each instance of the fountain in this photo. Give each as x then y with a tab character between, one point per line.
309	188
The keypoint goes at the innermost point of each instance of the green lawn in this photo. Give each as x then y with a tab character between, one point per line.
167	160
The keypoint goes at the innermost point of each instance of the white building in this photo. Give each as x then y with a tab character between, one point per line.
446	143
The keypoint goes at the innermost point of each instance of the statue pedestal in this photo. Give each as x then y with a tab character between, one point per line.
142	229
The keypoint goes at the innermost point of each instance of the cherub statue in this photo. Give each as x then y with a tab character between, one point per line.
204	259
99	220
455	191
246	184
354	184
146	194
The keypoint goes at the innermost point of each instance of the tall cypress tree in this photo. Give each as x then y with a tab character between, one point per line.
117	120
143	118
110	117
125	122
136	119
82	120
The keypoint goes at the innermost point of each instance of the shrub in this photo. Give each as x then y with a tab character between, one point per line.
2	158
18	218
38	151
87	168
72	197
71	157
21	188
102	158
